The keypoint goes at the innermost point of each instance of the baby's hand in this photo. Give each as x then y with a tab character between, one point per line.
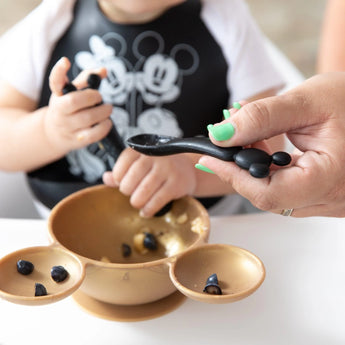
152	181
76	119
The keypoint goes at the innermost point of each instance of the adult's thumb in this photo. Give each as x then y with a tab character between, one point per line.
268	117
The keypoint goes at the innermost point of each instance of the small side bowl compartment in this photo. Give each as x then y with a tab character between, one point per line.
18	288
239	272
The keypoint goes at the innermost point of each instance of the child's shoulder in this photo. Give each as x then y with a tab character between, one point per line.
224	3
43	15
226	7
54	8
237	10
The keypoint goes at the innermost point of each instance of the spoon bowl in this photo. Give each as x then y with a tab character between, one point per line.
163	145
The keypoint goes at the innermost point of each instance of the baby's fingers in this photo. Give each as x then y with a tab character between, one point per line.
108	179
93	134
81	81
58	76
123	163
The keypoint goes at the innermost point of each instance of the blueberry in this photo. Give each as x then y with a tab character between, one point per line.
150	241
165	209
212	286
126	250
24	267
58	273
40	290
212	279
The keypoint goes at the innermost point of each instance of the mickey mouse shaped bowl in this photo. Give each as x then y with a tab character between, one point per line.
121	266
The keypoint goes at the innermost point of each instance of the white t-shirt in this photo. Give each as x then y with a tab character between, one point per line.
25	49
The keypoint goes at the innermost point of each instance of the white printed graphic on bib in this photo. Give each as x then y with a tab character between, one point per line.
138	92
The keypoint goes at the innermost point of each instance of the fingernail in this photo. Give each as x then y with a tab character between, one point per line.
236	105
222	132
142	214
80	137
209	127
61	60
226	113
203	168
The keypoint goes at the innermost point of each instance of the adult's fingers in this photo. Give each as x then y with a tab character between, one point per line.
296	186
268	117
322	210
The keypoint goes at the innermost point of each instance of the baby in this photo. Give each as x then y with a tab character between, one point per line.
168	67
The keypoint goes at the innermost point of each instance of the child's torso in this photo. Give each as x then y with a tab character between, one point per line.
164	77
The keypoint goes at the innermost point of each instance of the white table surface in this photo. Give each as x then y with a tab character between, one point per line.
302	300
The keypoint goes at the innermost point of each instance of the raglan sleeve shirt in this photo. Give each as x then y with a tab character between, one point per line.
26	48
251	70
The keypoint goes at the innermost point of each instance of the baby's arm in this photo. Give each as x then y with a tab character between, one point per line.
31	138
332	44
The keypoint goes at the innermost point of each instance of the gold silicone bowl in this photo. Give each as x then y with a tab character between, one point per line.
95	222
86	232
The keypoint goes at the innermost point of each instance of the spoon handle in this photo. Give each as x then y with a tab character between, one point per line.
113	142
200	145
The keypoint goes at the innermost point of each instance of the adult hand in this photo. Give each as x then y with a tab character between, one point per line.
313	117
74	120
152	181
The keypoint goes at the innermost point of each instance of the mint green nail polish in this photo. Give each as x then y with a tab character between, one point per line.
222	132
203	168
236	105
209	127
226	113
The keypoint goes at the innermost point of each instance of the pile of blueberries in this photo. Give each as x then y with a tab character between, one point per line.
58	274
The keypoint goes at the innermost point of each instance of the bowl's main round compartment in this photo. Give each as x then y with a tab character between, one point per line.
95	222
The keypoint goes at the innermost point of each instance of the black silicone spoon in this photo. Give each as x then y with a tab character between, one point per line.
256	161
162	145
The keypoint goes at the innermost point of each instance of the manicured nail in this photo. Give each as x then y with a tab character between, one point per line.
222	132
209	127
203	168
236	105
226	113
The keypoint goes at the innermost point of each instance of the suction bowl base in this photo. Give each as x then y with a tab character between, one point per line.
124	313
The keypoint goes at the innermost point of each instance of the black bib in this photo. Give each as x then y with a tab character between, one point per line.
166	77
